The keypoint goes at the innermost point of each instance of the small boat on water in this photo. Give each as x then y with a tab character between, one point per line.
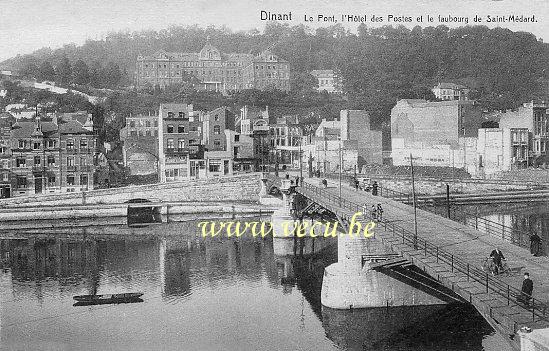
109	298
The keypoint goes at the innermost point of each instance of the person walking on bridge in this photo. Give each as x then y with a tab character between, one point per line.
374	213
535	244
527	288
379	212
497	257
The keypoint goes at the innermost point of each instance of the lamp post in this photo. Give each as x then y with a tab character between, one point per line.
414	200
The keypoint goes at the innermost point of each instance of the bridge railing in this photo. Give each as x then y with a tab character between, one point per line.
512	235
472	272
515	236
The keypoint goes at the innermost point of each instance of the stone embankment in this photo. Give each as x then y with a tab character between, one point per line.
235	195
244	187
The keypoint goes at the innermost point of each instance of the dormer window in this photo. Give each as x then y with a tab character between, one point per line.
181	114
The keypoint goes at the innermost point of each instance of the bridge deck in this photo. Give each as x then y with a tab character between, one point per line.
467	245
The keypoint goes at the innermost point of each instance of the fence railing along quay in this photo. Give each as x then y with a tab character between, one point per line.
472	272
374	176
514	236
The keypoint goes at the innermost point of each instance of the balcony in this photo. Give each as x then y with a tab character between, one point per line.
21	149
177	151
86	168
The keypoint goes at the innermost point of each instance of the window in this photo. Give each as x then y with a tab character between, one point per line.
83	143
20	162
194	128
37	161
170	114
51	143
217	143
214	166
132	124
21	144
51	160
70	179
148	133
83	161
84	180
217	130
170	144
181	128
36	145
70	161
5	177
70	144
181	143
181	114
21	182
133	133
51	180
170	128
148	124
155	123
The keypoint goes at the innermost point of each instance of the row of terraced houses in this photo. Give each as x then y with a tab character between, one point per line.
42	156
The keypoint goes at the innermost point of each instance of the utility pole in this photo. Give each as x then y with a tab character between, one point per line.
414	201
300	163
340	167
448	199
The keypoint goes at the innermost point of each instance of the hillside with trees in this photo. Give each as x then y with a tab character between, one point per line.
378	65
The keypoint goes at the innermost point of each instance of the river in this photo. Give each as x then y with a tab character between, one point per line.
201	294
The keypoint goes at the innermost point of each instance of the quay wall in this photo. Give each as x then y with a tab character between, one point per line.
243	187
436	186
12	219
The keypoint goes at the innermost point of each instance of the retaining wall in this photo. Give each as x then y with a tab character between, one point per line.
243	187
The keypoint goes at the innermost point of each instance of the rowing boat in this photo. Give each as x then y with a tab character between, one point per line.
108	297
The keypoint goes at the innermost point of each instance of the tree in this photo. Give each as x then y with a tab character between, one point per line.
112	74
63	71
97	78
303	82
80	73
30	70
46	72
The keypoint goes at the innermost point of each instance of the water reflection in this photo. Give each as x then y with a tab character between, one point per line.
520	221
207	294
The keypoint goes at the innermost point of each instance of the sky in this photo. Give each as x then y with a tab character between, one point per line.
27	25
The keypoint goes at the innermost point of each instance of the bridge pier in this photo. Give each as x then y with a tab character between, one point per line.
534	340
282	219
357	281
